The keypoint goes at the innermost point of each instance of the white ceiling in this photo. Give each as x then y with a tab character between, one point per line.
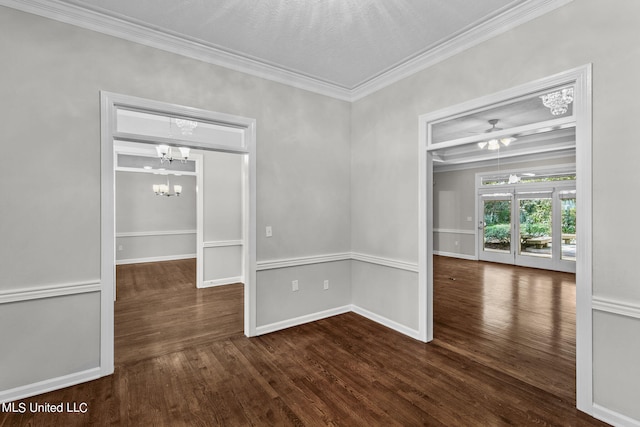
343	48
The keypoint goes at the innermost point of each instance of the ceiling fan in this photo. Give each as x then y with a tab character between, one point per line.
494	143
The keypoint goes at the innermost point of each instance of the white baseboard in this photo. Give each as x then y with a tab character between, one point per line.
405	330
456	255
154	259
45	386
222	282
612	417
297	321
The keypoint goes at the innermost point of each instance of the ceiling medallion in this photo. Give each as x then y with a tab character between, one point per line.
558	101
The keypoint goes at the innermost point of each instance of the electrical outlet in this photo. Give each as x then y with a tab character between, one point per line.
120	247
326	285
294	285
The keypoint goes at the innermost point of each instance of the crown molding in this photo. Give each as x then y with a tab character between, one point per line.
94	21
74	15
472	37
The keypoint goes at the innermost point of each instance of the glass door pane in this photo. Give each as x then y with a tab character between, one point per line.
535	227
497	226
568	217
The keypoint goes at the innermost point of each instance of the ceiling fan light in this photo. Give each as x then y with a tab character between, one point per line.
493	144
507	141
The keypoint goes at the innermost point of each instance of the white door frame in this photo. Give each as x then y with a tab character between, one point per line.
581	79
109	103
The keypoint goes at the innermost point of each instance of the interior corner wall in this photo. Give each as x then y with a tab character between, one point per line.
50	224
385	157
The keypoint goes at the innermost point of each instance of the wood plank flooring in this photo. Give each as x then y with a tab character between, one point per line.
504	354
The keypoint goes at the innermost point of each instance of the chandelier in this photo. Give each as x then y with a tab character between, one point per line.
164	189
166	153
494	143
186	126
558	101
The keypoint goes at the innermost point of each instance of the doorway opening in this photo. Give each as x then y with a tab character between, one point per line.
528	217
454	135
126	119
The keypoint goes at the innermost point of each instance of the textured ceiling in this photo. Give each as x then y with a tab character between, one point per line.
343	43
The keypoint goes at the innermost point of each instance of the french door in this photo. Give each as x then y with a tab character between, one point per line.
528	227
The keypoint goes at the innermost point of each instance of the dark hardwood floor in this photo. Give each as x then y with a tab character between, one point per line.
503	354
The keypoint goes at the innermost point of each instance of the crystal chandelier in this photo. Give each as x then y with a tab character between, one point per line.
164	189
186	126
166	153
494	143
558	101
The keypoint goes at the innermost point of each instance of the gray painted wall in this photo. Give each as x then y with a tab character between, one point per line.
385	161
138	209
222	215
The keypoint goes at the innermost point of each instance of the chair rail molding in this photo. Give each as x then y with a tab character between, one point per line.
49	291
623	308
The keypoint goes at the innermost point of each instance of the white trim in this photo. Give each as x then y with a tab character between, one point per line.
453	231
154	233
154	259
94	21
387	262
297	321
581	78
474	36
616	307
295	262
49	385
222	243
49	291
612	417
195	49
547	155
415	334
344	256
222	282
455	255
154	171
